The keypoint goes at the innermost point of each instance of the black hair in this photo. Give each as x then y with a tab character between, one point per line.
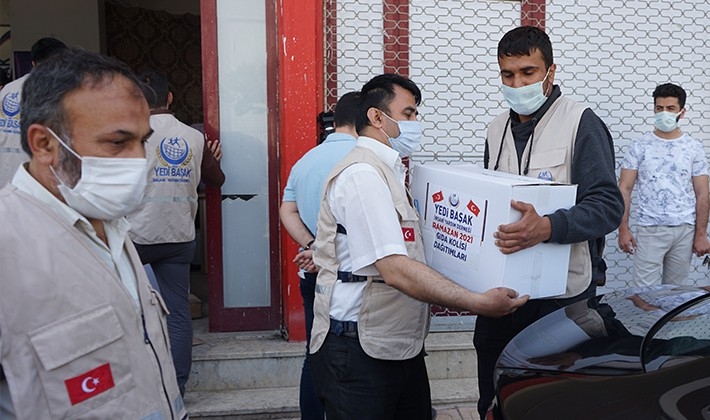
346	109
155	89
524	40
62	73
45	48
669	90
325	125
379	93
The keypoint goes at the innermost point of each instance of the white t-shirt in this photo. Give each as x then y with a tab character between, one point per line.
664	185
361	201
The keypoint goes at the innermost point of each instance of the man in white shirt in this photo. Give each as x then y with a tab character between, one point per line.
671	171
371	311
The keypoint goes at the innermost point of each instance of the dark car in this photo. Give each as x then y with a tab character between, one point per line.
642	353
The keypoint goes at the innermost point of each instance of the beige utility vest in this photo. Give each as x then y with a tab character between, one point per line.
66	319
552	150
167	213
391	325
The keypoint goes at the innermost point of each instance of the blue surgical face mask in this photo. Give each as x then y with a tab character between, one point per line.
665	121
525	100
410	136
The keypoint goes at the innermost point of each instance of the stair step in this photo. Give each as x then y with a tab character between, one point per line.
226	361
282	403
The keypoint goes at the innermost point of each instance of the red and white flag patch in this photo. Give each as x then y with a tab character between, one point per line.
89	384
437	196
408	233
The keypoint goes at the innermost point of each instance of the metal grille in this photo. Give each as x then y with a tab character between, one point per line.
610	55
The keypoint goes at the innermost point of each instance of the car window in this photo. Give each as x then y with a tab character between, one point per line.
680	336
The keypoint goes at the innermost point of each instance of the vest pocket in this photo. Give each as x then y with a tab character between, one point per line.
82	362
161	308
548	158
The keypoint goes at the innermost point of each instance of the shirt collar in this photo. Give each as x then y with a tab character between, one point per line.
387	154
336	137
26	183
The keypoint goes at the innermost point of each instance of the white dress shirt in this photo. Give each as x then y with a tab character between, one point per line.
361	201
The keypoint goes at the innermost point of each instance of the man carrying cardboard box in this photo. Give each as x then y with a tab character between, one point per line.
551	137
370	315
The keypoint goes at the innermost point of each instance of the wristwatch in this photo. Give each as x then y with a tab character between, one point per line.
309	245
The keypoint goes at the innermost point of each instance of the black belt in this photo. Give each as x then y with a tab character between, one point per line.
346	328
349	277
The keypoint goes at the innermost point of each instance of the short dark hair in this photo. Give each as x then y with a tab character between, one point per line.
379	93
669	90
60	74
155	89
45	48
524	40
346	109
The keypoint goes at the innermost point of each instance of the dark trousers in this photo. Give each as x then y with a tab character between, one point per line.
492	335
171	265
354	386
311	407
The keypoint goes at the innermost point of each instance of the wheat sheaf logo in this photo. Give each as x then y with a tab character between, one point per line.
174	151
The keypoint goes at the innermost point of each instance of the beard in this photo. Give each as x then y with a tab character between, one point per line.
69	169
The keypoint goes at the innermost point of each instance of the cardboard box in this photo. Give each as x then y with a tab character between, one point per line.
460	208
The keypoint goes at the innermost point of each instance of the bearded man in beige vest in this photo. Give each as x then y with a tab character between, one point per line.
371	311
82	332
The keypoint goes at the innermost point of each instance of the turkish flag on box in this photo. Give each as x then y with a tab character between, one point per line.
473	208
89	384
437	196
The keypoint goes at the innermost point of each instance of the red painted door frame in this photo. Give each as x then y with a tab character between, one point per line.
532	13
301	93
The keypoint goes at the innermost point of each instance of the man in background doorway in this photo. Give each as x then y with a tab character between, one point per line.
163	227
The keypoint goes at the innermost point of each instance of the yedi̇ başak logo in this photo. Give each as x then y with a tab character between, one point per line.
457	226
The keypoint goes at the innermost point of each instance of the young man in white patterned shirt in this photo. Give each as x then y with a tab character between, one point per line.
671	171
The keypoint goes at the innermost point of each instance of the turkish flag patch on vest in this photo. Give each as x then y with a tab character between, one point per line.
89	384
408	233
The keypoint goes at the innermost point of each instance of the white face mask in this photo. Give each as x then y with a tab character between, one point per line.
526	100
665	121
410	136
109	188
